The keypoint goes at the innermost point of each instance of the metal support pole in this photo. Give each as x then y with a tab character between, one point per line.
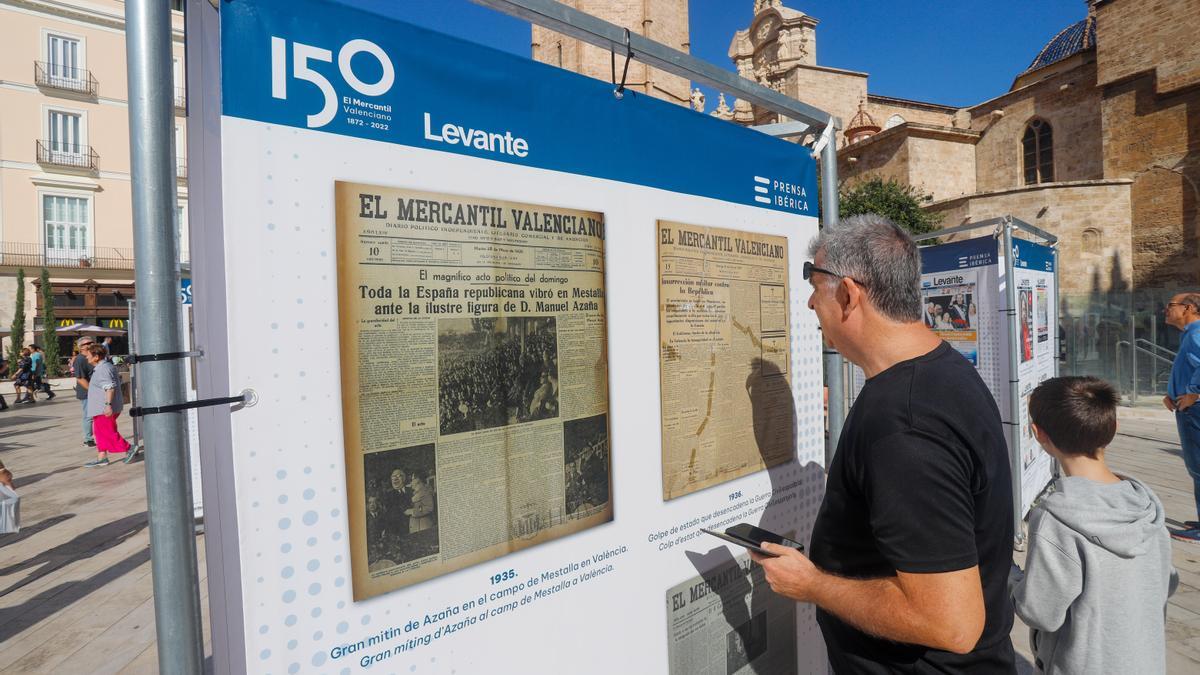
1014	385
835	373
168	489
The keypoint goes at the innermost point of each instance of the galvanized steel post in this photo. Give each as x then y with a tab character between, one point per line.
168	488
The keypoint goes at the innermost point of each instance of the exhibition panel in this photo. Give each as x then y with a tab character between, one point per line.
514	341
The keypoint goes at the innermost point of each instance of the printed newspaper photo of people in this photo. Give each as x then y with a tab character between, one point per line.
402	516
952	313
585	464
494	372
1025	313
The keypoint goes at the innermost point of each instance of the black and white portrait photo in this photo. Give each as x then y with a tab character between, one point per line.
585	464
401	489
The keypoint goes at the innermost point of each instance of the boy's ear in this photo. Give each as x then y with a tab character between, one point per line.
1040	435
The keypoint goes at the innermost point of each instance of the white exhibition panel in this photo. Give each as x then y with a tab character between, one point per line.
605	602
291	493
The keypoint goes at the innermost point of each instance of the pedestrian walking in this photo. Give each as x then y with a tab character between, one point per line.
104	403
1183	390
39	371
23	378
82	371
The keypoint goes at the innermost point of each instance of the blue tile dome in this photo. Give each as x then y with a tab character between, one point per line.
1071	40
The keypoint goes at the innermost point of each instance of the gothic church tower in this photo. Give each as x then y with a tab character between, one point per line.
664	21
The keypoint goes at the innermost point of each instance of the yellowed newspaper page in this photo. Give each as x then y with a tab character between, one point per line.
724	332
474	379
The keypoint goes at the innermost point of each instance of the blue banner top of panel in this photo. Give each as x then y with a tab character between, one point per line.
959	255
1031	256
328	67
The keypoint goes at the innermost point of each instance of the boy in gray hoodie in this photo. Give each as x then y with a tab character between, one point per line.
1098	572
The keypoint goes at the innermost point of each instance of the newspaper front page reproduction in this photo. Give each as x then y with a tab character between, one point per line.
729	622
474	379
724	331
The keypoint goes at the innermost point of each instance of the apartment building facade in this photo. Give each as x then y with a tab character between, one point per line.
65	188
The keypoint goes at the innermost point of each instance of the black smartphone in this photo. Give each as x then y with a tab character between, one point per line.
752	537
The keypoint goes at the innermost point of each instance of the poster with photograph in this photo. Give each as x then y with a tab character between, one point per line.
723	325
1025	317
952	312
476	388
1042	298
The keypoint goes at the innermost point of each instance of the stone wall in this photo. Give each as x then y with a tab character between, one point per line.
1154	140
837	92
1090	218
1069	101
664	21
1137	36
937	161
880	108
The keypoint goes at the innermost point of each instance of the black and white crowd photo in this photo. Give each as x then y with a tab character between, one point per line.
585	464
493	372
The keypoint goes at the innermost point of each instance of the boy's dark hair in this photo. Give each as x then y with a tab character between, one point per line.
1079	414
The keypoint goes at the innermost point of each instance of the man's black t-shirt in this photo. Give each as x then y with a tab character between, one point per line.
83	371
920	483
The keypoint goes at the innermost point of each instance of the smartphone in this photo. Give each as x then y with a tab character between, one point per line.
752	537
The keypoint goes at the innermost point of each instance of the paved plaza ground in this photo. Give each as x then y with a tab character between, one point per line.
75	586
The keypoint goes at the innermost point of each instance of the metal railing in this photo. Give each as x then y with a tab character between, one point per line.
70	155
1134	349
181	168
18	254
181	99
55	76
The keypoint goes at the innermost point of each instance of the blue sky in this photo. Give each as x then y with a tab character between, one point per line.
955	53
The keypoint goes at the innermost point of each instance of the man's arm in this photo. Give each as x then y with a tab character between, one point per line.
943	610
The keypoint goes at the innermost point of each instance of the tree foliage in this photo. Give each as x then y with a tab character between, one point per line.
49	329
901	203
18	323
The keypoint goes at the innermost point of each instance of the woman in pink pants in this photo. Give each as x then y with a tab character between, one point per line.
104	405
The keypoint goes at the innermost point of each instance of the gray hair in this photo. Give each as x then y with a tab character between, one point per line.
881	256
1193	299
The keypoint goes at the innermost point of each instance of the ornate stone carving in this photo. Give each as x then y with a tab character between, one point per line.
698	100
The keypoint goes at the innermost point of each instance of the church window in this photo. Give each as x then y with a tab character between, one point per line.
1038	148
893	121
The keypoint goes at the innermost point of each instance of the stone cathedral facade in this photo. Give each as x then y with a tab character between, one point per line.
1096	141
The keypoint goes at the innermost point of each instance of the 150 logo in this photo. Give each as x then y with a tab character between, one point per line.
302	54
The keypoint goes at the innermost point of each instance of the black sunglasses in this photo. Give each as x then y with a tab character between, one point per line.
810	268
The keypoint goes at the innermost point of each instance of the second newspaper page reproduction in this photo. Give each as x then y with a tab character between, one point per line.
474	379
725	347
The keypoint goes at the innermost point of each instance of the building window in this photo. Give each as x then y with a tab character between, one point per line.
68	230
63	60
1038	146
64	132
894	121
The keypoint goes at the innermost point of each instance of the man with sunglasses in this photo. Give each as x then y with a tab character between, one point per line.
912	546
1183	312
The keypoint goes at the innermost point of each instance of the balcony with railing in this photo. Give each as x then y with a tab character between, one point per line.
70	155
56	76
181	168
33	256
181	99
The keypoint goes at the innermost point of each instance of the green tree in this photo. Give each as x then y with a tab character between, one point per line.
49	329
901	203
18	323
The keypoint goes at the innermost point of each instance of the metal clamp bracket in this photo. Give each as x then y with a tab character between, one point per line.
165	356
245	399
619	92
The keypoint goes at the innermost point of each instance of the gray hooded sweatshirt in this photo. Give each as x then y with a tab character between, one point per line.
1097	578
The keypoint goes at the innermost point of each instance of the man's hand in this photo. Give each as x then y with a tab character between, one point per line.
1186	401
1169	403
792	574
